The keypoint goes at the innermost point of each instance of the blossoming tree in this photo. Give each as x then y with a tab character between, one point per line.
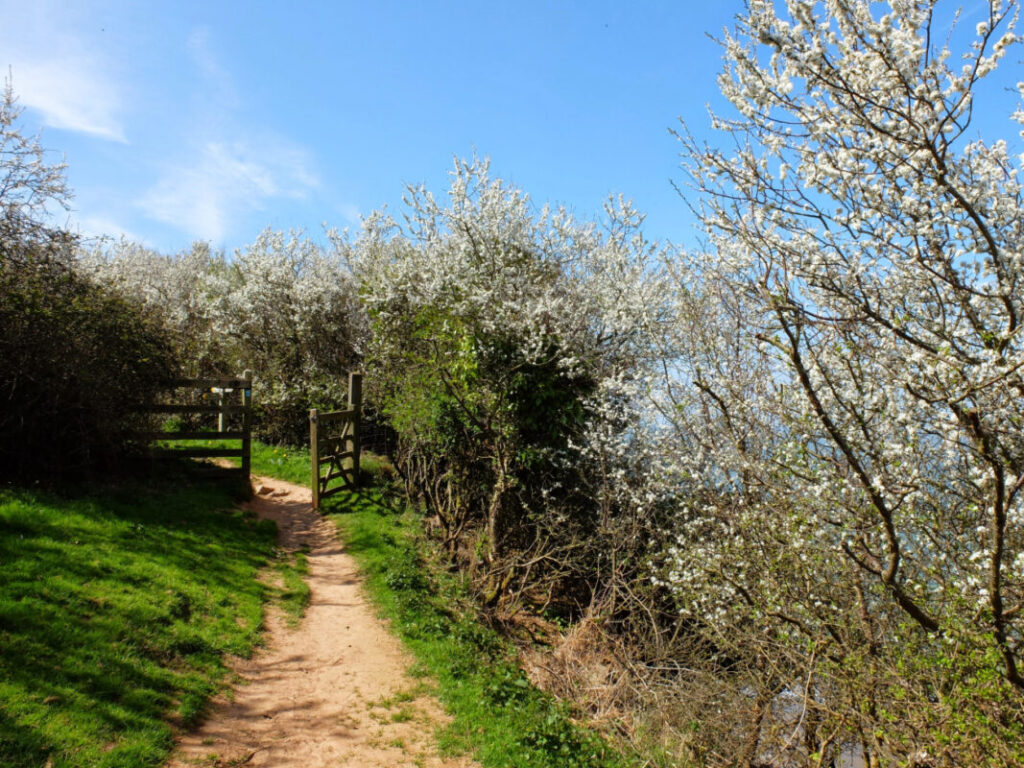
493	324
283	307
867	269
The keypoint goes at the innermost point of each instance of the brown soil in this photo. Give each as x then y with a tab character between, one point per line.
332	691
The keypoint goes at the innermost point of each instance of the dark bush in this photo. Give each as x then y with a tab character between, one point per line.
74	359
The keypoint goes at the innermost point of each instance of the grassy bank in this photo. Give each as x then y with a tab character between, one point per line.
116	611
498	715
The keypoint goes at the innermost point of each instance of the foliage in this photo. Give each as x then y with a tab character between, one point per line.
117	609
180	289
493	324
28	184
843	401
282	308
784	474
290	313
497	714
74	355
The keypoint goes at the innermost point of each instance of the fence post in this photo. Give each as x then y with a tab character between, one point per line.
314	455
222	400
355	402
246	424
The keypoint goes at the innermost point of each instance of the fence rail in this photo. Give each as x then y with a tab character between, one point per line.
334	443
225	390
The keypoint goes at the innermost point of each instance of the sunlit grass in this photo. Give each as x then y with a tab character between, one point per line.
117	610
283	462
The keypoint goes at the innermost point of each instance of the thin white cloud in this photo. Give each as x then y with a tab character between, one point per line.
226	181
350	213
69	95
209	193
58	72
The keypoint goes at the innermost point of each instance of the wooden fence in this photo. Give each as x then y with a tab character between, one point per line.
230	399
334	443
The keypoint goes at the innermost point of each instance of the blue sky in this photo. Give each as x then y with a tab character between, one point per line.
212	120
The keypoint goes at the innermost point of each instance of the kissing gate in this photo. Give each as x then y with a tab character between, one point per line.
334	443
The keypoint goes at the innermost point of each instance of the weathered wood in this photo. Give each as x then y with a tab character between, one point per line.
355	403
208	382
222	416
314	455
332	491
327	458
333	416
196	435
247	423
228	385
200	453
334	474
197	408
333	439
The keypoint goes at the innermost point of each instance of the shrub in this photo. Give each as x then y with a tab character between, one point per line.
74	358
494	325
282	307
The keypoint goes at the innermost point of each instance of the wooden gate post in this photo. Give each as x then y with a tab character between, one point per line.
314	455
246	425
355	402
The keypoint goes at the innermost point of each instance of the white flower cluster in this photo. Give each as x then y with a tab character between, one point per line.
822	411
283	307
509	270
850	355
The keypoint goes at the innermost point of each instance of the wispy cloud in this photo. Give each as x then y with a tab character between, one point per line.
230	171
225	181
58	73
204	171
70	96
349	212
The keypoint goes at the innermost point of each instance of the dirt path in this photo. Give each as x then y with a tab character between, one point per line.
332	691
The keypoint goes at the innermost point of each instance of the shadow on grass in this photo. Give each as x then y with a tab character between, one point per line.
368	498
116	610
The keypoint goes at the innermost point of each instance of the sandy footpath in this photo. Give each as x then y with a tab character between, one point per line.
332	691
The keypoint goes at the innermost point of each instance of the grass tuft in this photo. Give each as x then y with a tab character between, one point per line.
284	462
288	462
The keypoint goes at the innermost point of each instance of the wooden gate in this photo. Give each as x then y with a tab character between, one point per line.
230	399
334	444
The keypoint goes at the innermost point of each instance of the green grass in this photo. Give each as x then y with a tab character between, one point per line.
498	715
116	611
292	464
283	462
280	461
